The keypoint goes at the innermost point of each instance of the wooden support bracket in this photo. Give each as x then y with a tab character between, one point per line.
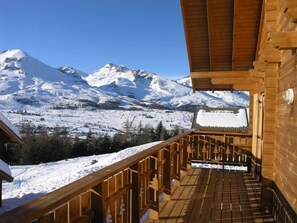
246	87
291	10
283	40
270	55
260	65
256	73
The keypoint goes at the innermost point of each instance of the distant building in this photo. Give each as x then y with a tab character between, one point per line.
8	134
220	119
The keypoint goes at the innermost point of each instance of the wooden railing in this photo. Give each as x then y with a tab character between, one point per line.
125	191
222	147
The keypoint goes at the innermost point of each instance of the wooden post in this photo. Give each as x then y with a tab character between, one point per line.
249	161
184	167
189	150
135	193
166	176
174	148
154	187
97	204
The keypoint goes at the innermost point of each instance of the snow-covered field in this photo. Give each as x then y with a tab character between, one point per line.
80	122
33	181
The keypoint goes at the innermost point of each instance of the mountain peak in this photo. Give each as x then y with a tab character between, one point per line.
72	71
108	65
67	70
16	54
116	67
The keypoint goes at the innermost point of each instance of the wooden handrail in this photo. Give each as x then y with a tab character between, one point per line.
242	134
36	208
157	166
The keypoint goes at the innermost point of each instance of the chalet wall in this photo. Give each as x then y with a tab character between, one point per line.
285	165
269	57
279	153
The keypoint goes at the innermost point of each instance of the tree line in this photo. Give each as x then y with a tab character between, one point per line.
41	146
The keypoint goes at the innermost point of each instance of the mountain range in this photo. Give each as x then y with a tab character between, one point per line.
27	82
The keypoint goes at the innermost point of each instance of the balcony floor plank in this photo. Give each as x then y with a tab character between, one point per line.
210	195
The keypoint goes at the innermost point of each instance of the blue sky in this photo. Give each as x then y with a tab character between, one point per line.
87	34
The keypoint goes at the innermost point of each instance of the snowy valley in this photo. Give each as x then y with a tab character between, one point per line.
101	102
31	91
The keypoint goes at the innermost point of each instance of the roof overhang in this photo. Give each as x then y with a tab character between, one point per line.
8	131
221	37
5	176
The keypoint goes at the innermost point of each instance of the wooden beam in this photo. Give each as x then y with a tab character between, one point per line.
233	81
246	87
185	23
283	40
270	55
259	65
209	33
291	10
235	5
256	73
220	74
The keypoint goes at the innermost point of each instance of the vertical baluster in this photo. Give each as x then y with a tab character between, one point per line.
216	151
166	175
189	152
115	213
176	162
204	150
108	215
184	157
208	145
135	193
195	146
97	205
154	187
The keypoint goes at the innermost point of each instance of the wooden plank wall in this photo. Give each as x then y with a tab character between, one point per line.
267	55
279	155
286	117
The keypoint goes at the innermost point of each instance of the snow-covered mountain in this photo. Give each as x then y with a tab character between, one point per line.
150	87
186	81
26	81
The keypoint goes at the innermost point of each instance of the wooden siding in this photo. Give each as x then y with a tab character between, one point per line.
286	116
268	58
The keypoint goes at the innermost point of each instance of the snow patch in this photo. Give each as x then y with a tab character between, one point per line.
222	118
217	166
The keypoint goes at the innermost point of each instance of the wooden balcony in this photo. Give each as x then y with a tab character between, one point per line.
152	184
210	195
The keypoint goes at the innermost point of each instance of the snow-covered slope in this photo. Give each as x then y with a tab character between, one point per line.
186	81
26	81
34	181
